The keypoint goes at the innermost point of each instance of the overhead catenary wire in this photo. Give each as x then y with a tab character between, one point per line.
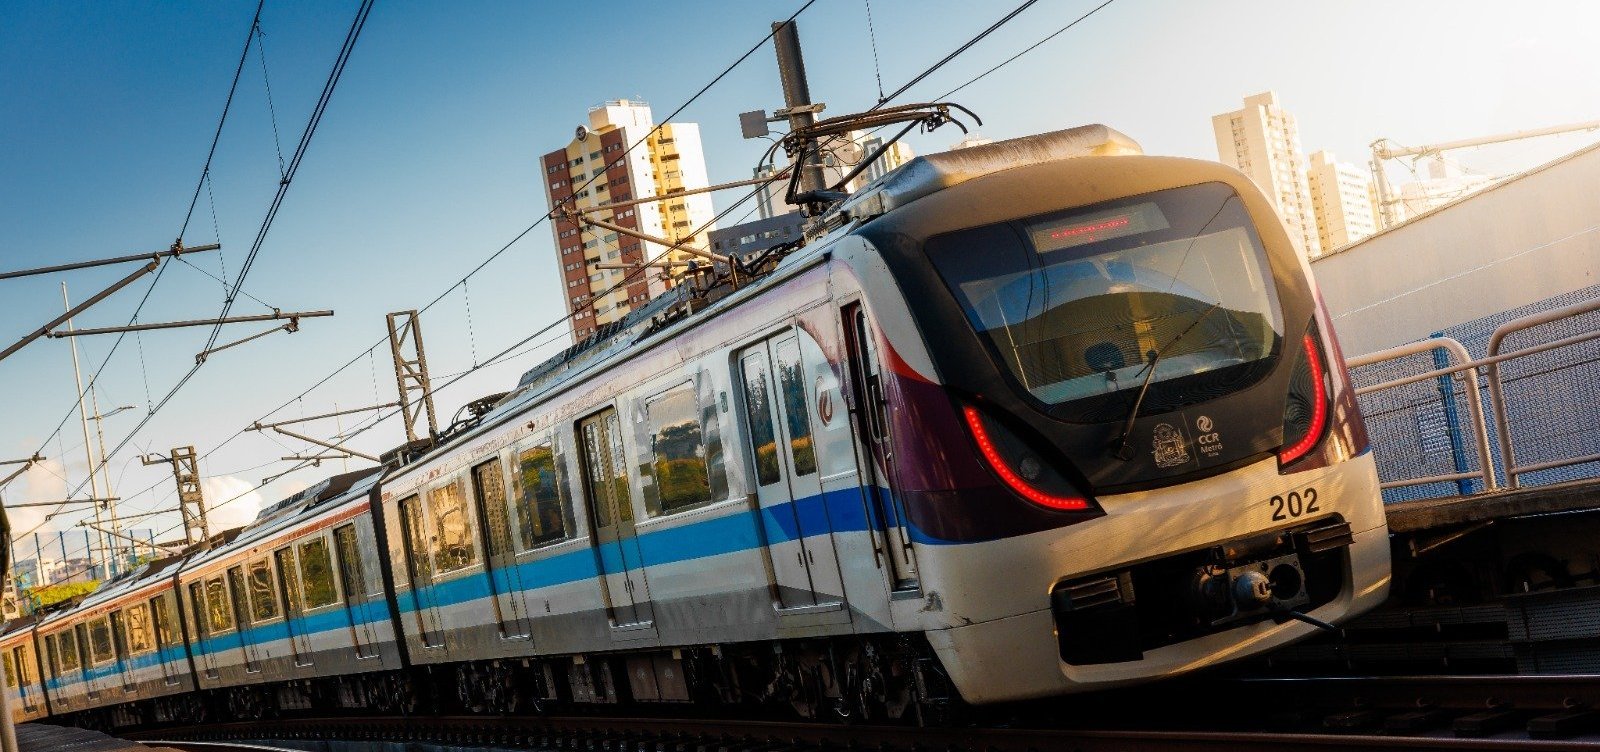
955	53
370	352
310	130
205	172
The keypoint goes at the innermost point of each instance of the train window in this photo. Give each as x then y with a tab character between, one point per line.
677	453
351	574
236	586
119	634
136	620
219	616
710	424
792	383
541	493
455	549
100	647
161	621
416	539
263	601
67	641
19	656
288	579
489	480
316	573
197	607
1073	305
11	670
606	464
82	637
758	408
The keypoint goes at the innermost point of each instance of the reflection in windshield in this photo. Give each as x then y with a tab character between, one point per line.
1084	321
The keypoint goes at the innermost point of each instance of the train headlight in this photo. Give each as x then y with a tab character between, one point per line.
1019	468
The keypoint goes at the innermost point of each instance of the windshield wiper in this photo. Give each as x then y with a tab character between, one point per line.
1124	442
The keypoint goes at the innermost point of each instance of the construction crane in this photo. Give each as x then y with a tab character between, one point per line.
1383	149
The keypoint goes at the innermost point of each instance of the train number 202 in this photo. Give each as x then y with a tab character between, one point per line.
1294	504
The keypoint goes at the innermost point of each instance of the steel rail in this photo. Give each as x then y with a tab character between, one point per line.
602	732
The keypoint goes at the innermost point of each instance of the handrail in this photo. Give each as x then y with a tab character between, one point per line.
1464	368
1496	393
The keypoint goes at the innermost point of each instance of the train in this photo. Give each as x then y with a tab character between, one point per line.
1037	417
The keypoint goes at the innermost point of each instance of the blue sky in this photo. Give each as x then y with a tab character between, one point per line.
425	162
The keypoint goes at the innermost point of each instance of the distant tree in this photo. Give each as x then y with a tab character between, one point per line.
46	595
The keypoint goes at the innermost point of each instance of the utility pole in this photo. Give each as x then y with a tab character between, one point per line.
800	111
98	543
191	498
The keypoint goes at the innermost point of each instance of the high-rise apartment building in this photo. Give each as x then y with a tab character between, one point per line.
1263	141
597	168
1342	198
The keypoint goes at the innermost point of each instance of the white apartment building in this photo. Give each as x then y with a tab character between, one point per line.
1343	200
592	170
1263	141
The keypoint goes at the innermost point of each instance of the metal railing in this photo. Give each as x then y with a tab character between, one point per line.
1463	369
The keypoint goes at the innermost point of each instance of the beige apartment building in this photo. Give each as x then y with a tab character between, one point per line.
596	168
1343	200
1263	141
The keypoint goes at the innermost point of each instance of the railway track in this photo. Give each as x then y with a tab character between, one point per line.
1458	713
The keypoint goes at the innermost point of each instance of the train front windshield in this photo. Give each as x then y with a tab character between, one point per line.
1077	304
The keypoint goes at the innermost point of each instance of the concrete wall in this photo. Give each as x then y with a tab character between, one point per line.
1531	238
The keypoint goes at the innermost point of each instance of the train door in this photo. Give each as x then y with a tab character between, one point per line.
119	642
616	545
94	648
788	487
353	580
205	657
887	514
293	612
494	531
165	633
419	569
240	609
22	660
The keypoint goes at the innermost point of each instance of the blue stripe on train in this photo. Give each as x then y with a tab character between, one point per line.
840	511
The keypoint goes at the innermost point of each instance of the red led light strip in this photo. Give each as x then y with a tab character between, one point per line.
1014	481
1319	412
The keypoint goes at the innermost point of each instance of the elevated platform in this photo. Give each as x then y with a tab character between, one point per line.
1430	514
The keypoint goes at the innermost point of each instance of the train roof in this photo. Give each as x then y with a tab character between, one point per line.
308	504
931	173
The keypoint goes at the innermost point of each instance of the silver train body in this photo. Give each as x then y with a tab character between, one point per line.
1039	417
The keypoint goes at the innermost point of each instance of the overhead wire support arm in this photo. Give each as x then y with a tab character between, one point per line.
336	413
115	534
79	308
64	501
291	316
175	251
318	442
676	194
27	464
680	245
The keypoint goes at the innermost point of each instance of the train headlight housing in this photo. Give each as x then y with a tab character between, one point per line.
1019	467
1306	411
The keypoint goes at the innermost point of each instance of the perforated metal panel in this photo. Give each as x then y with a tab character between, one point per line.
1552	404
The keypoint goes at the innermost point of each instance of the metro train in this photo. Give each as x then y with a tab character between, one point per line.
1031	418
